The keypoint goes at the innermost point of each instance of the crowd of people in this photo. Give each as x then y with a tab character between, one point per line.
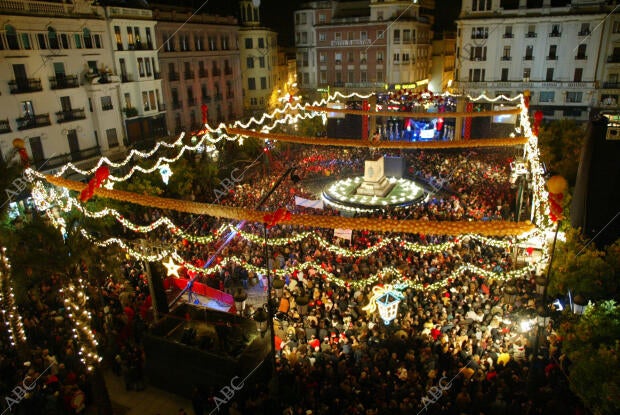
458	349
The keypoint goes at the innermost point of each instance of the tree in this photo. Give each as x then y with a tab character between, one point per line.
592	346
591	273
560	143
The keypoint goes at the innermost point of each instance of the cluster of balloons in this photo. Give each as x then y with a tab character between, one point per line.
101	175
556	187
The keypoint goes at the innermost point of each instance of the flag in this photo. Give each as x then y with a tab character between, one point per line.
343	233
315	204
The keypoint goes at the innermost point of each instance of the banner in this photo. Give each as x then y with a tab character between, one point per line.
343	233
315	204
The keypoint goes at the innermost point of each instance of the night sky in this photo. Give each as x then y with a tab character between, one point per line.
278	14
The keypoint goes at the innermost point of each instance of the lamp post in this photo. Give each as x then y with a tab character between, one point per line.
272	333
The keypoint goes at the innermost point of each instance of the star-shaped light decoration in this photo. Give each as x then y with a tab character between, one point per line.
165	172
109	184
172	269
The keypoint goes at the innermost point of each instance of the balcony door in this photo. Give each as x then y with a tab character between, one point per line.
65	104
74	146
59	73
21	77
36	149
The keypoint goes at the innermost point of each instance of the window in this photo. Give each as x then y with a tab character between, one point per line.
145	100
363	58
98	43
616	26
504	77
585	29
396	58
549	76
261	43
529	53
578	75
322	58
552	52
526	74
405	57
363	36
130	41
141	66
136	31
396	35
479	32
581	52
249	62
379	76
380	15
304	37
478	53
52	37
119	39
263	82
253	102
11	37
128	99
547	96
338	78
480	5
149	40
106	103
506	55
251	84
350	57
88	40
531	31
147	63
248	43
152	100
508	32
92	67
476	75
379	57
41	41
261	61
338	58
337	36
555	30
26	41
363	76
184	43
322	36
574	96
112	137
323	77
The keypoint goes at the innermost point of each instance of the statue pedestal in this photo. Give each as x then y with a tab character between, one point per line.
375	183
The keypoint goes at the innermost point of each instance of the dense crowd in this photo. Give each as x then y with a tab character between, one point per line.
463	340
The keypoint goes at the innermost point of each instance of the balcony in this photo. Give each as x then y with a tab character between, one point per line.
191	102
27	123
477	59
130	112
63	159
5	127
216	72
64	82
508	36
613	59
107	107
581	57
25	85
555	34
584	32
206	99
528	58
552	58
176	105
531	34
202	73
125	78
506	58
611	85
173	76
188	75
356	42
70	115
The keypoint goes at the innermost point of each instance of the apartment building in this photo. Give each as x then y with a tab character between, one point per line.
58	92
364	46
200	63
560	50
258	47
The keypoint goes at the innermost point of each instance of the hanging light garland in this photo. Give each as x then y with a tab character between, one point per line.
75	300
10	314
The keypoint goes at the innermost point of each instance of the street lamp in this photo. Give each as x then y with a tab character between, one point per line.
261	317
579	304
239	297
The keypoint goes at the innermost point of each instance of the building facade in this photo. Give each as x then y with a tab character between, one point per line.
442	70
258	47
134	49
364	46
59	94
560	50
200	66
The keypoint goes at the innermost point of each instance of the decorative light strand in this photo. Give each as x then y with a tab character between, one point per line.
75	300
10	314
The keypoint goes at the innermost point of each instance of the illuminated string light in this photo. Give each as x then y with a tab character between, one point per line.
10	315
75	300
